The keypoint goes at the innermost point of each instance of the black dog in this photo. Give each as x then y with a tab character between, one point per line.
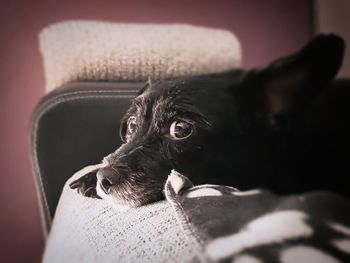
247	129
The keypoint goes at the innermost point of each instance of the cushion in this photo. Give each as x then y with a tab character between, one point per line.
205	223
95	50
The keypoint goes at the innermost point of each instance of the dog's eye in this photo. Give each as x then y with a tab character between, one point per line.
131	125
180	130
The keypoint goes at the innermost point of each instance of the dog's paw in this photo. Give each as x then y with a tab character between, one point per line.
86	185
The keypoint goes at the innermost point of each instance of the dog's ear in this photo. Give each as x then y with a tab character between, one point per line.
288	84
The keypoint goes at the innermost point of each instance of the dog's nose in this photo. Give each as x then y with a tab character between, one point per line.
107	177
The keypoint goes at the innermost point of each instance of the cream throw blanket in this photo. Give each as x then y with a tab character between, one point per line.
92	230
93	51
204	223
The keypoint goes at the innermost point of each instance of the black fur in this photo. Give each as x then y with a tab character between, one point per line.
250	129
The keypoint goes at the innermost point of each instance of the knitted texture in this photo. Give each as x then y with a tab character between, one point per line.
204	223
92	230
92	51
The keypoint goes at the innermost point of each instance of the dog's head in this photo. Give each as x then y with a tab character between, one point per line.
223	128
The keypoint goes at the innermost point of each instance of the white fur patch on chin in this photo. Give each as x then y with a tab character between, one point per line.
269	228
203	192
306	254
110	199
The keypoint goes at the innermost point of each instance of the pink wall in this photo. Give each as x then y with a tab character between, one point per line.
267	29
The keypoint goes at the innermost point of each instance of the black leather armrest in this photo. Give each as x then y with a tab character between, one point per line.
72	127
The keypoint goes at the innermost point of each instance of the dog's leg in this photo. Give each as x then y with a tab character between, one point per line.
86	185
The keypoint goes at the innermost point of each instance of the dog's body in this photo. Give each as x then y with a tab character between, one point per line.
248	129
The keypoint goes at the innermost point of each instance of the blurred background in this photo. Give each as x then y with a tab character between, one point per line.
267	30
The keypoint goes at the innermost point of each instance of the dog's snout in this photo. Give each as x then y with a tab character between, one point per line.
107	177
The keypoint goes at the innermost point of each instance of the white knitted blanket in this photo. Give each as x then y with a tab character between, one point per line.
205	223
92	230
92	51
